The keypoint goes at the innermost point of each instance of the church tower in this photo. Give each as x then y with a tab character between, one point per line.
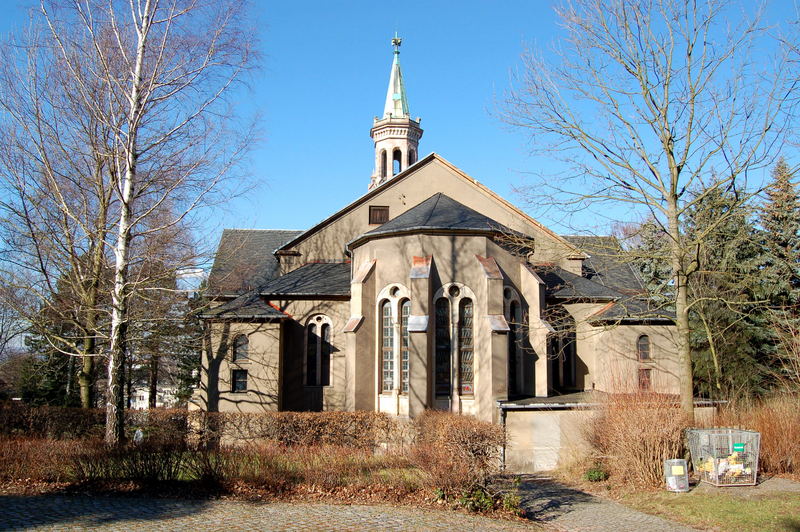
396	135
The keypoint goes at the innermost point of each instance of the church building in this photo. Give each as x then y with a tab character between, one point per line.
430	291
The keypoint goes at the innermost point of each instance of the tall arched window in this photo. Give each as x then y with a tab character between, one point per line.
443	347
383	163
318	351
397	161
312	344
514	359
387	347
465	347
412	156
240	348
405	311
643	347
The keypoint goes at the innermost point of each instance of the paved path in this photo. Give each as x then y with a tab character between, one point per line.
55	512
567	509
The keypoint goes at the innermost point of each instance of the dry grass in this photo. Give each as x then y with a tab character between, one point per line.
778	420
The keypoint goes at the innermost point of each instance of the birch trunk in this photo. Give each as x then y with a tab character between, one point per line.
115	412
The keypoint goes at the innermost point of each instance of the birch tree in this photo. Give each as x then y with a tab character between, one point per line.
646	101
165	69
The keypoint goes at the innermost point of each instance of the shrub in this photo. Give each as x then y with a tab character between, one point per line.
634	434
596	474
456	451
36	459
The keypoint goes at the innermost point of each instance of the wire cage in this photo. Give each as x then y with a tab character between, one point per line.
725	457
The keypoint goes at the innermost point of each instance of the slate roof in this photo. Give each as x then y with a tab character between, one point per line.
245	260
246	306
635	309
437	213
313	279
561	284
606	264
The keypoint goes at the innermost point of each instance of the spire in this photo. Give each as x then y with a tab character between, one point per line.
396	134
396	100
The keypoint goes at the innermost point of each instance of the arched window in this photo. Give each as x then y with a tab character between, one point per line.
387	347
318	351
405	311
515	376
397	161
383	163
412	156
443	347
240	348
465	347
312	343
643	347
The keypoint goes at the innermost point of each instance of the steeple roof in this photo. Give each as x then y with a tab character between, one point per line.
396	99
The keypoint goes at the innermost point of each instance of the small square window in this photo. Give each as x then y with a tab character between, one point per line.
378	215
645	381
239	380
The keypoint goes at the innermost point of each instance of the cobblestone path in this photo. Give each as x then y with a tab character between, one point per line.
51	512
570	510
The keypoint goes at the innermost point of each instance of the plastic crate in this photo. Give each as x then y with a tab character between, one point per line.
725	457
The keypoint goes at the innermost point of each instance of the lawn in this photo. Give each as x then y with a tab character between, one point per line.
723	509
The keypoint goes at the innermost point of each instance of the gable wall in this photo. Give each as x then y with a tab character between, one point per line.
400	196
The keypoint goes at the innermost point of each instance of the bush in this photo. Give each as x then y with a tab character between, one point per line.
634	434
456	451
355	429
36	459
596	474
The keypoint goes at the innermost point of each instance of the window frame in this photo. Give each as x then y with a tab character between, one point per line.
234	380
455	293
378	219
644	354
644	380
236	348
318	351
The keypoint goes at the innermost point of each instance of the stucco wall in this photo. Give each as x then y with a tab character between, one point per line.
608	353
297	395
262	366
540	440
403	194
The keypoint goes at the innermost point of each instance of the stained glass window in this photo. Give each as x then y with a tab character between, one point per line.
325	356
311	355
465	347
443	348
405	311
387	348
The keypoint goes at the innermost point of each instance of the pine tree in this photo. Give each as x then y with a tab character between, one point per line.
728	336
780	222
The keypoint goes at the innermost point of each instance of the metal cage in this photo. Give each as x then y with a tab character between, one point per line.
725	457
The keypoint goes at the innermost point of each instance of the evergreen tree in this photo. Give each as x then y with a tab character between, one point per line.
728	336
780	223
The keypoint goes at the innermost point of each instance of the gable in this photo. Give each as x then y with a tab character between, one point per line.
245	259
327	240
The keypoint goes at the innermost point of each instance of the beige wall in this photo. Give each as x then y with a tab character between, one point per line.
403	194
541	440
262	365
610	357
332	397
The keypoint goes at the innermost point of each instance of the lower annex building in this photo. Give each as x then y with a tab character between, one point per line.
429	291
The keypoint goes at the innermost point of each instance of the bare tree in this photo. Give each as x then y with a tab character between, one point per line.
647	102
165	67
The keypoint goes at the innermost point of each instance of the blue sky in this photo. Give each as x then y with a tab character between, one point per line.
326	66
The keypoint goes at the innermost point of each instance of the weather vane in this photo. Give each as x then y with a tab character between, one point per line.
396	42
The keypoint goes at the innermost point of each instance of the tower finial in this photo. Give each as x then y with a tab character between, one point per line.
396	42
